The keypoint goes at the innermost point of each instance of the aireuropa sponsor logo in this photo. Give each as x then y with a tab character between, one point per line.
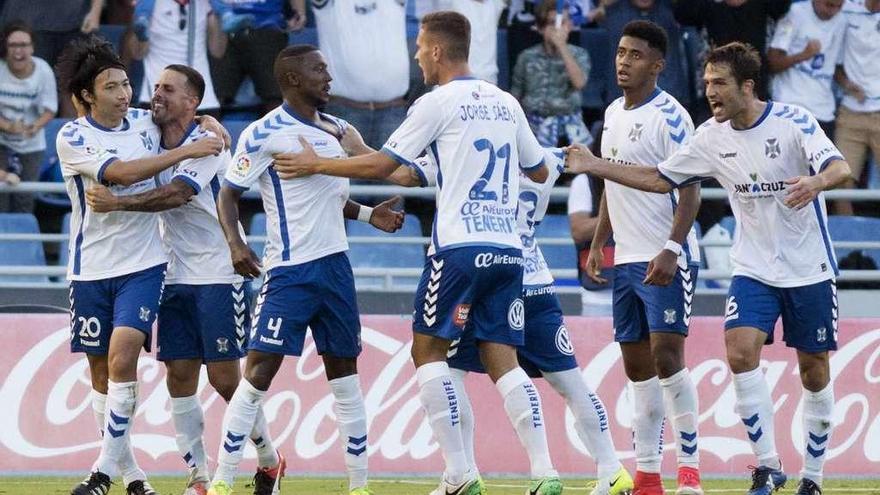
485	260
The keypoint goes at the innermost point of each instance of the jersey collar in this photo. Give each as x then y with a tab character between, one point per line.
186	134
760	119
96	125
299	118
650	97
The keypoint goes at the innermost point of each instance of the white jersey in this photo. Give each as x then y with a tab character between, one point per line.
645	135
478	135
808	83
171	45
197	250
107	245
861	53
304	216
365	46
533	200
775	244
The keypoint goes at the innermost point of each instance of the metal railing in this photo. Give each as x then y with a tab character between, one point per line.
390	276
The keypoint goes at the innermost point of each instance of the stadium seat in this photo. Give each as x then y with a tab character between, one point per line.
847	228
112	33
386	255
305	36
596	42
21	253
235	128
558	257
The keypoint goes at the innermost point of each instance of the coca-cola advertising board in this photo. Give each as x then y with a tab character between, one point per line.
46	421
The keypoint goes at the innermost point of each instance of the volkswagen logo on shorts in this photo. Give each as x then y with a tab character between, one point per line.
563	341
516	315
484	260
470	208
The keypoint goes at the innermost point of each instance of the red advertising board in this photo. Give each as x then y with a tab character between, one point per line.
46	420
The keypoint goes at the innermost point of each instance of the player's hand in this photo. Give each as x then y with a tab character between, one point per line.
384	216
208	123
245	261
813	48
353	143
295	165
101	200
803	190
661	269
206	146
577	159
595	260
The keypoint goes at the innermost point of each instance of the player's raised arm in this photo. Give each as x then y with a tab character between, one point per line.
375	165
167	197
129	172
581	160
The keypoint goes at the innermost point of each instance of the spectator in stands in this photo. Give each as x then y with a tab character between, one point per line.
484	16
252	51
858	122
674	78
548	79
180	33
28	101
583	217
734	20
365	46
806	48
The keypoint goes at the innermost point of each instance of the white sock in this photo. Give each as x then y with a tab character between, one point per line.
523	406
189	425
467	417
682	408
818	424
129	467
439	397
118	419
648	424
241	413
755	406
267	456
351	419
590	418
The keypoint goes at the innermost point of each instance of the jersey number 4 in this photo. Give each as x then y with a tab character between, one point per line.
479	190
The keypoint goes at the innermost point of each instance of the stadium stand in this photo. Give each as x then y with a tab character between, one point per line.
50	170
21	253
846	228
386	255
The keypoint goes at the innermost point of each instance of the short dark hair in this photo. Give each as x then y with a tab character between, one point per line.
11	27
742	58
649	32
291	51
82	61
194	81
455	31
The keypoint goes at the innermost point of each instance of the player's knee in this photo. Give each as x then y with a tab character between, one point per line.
815	372
667	364
224	385
742	359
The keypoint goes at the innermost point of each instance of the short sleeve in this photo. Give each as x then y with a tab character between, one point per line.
818	147
48	90
198	173
676	128
426	169
251	159
80	154
421	127
529	150
580	197
785	33
692	162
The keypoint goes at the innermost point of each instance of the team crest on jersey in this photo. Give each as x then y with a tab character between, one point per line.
669	316
636	132
242	165
146	140
516	315
222	345
771	148
144	314
563	341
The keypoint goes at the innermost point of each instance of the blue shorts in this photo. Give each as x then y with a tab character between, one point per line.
204	322
547	346
319	295
479	286
809	313
99	306
640	309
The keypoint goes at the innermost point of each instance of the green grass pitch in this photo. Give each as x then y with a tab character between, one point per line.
406	486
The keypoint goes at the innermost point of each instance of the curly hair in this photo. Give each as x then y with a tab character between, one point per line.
82	61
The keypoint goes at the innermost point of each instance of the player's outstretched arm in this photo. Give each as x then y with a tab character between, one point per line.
126	173
100	199
375	165
804	189
245	262
662	269
383	216
405	176
580	159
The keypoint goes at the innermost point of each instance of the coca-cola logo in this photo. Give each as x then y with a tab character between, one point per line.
47	419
